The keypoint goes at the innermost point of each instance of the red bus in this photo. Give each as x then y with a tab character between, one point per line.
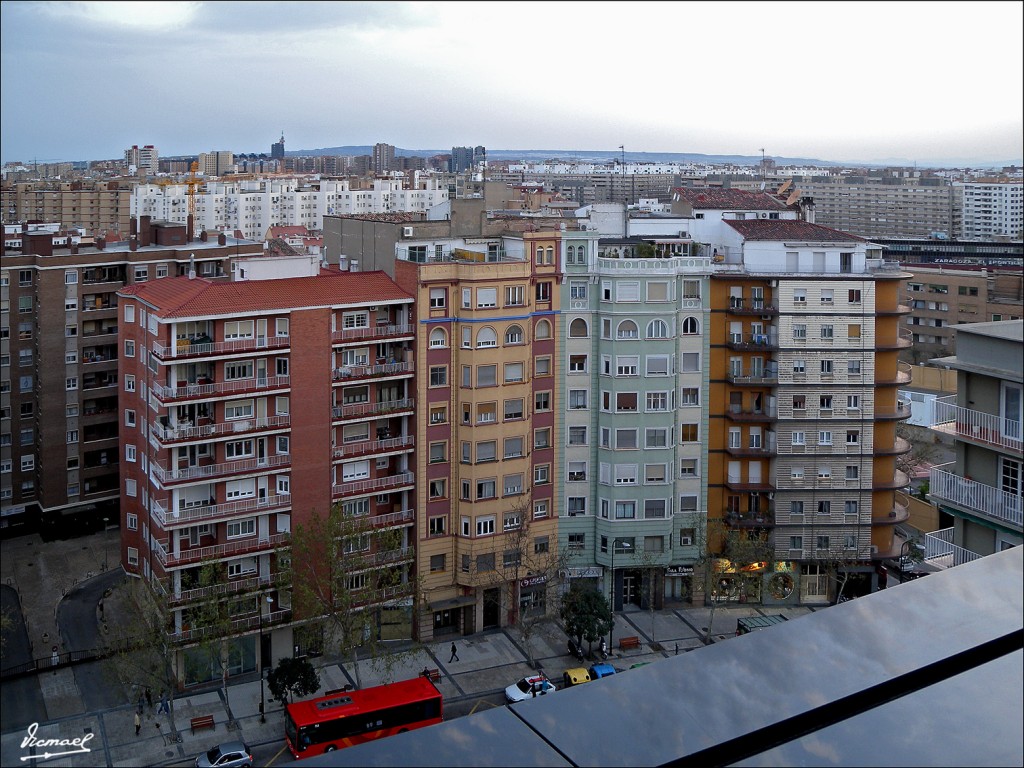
345	718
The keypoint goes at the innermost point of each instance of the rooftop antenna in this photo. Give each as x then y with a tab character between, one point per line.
762	166
622	149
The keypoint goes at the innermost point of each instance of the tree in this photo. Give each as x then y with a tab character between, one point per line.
143	648
923	449
587	615
211	617
291	678
345	573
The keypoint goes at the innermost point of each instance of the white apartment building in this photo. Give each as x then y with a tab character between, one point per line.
145	158
991	210
253	206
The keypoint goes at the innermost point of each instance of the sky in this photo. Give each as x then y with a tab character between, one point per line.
892	82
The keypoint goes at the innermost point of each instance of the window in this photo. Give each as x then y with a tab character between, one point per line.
824	472
796	507
438	298
625	510
625	439
542	330
487	375
576	505
486	337
129	453
626	402
513	484
485	525
438	490
543	292
24	305
824	507
514	335
825	402
542	401
438	338
133	557
689	396
240	370
799	331
826	367
853	367
626	366
24	277
657	329
657	401
513	447
824	437
625	474
691	326
542	438
438	414
800	296
438	376
436	526
438	452
796	473
627	330
853	331
71	383
542	366
799	367
688	503
240	528
852	472
486	450
854	296
355	470
657	365
514	296
826	332
540	508
850	507
689	433
577	363
513	373
658	291
690	362
542	474
577	435
827	295
577	471
437	562
577	289
577	541
799	438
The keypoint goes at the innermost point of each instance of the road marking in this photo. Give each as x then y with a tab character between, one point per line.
276	756
482	701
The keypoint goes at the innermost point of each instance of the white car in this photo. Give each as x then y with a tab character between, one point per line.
529	687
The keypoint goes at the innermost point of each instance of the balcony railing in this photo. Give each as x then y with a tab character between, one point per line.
750	519
940	551
186	348
985	501
752	307
236	386
205	513
188	431
238	626
663	266
348	372
900	411
373	446
977	426
373	485
231	587
769	414
371	409
766	378
753	342
389	519
903	375
904	340
375	332
210	471
218	551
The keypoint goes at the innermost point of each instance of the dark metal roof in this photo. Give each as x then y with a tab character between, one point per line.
925	673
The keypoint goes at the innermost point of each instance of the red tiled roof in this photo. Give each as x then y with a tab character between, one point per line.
182	297
788	229
728	199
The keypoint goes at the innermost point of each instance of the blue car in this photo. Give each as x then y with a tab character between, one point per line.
601	670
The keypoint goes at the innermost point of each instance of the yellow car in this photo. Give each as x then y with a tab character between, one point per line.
575	676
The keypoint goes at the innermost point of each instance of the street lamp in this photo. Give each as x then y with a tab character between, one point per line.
626	546
105	521
263	715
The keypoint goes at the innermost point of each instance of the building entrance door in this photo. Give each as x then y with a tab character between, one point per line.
492	608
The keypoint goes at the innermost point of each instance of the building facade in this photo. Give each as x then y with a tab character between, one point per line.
246	409
98	207
145	159
983	488
486	311
59	454
991	209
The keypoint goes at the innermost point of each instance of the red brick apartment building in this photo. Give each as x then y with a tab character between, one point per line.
248	407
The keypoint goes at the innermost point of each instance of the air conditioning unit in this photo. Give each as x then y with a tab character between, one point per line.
406	231
685	541
764	215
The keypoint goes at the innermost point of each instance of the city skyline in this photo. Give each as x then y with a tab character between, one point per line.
734	78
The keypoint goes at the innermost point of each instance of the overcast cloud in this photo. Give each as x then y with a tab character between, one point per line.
837	81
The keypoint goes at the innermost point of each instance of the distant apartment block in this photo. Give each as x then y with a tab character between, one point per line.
246	409
144	160
941	298
383	158
253	206
216	163
59	344
98	207
983	488
277	149
991	210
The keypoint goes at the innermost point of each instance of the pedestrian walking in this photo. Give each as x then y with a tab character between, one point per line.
149	698
455	654
138	723
163	703
142	702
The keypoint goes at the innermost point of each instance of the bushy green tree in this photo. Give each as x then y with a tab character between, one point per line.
291	678
586	615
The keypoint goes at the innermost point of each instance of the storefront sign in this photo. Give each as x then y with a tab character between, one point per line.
584	573
679	570
533	581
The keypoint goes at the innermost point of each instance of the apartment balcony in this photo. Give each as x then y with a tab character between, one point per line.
985	429
204	346
753	342
759	416
747	486
897	481
231	587
400	444
238	548
238	626
766	378
385	407
94	381
904	340
899	309
350	373
216	471
372	333
752	307
399	519
755	519
941	552
899	513
899	412
208	513
202	388
903	376
900	446
983	501
766	449
399	482
185	430
100	332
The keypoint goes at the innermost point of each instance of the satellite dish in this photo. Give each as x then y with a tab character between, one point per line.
786	185
762	186
793	197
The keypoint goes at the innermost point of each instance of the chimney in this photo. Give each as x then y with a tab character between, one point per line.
192	266
133	243
146	230
203	236
133	227
190	230
222	239
101	243
74	248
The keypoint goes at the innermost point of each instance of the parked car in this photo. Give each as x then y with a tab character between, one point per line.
575	676
601	670
230	754
528	688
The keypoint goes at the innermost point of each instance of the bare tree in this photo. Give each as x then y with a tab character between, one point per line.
211	620
345	572
143	648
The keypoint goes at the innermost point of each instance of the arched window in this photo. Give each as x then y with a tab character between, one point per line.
543	330
571	253
691	326
514	335
438	338
578	329
549	255
657	329
486	337
627	330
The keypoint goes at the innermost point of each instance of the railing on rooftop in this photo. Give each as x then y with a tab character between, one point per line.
976	425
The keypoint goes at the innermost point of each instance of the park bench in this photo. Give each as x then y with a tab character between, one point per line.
202	722
627	643
434	675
